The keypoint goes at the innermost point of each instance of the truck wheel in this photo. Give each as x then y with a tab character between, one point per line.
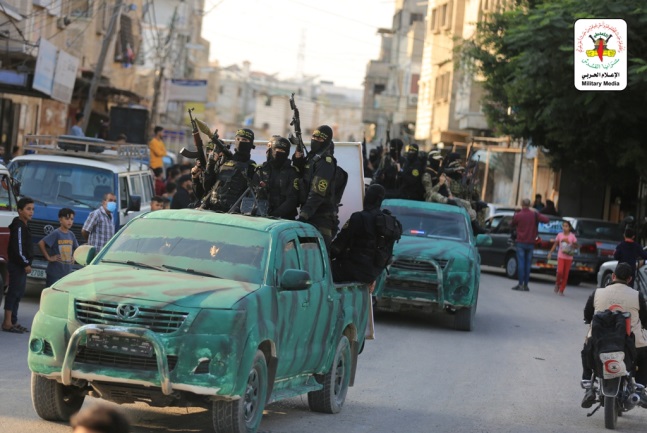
53	401
244	415
511	266
464	318
331	398
574	280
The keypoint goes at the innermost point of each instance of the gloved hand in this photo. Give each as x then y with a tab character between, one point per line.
452	202
303	217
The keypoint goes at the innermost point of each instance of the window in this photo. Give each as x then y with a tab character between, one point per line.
378	89
123	192
415	17
81	8
135	185
289	258
446	15
148	188
312	258
433	24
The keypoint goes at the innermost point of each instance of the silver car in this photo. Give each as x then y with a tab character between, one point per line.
607	268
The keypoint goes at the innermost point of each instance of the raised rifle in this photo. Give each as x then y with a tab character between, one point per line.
199	153
296	122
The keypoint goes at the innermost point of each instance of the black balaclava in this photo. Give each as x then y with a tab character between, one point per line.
374	157
374	196
395	148
412	152
279	158
325	132
244	149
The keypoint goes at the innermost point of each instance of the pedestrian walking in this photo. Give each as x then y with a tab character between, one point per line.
76	129
20	257
58	248
566	242
525	222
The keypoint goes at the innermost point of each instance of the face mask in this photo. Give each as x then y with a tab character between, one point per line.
316	146
111	206
280	158
412	156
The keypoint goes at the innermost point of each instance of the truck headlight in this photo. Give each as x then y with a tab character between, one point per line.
54	303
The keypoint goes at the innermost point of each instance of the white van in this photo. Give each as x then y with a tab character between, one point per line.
77	177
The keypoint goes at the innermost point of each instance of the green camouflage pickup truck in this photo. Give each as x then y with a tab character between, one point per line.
195	308
436	266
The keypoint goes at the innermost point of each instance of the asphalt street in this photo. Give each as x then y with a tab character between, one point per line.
518	371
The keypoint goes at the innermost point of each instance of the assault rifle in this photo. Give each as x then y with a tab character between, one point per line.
296	122
218	145
199	153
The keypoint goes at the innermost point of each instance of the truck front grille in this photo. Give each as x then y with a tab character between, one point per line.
409	264
105	358
160	321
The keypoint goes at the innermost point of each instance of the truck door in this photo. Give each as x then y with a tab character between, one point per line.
301	323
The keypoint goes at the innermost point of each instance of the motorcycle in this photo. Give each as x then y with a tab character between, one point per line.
614	385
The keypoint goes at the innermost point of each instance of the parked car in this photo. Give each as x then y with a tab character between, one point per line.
495	209
503	252
607	268
192	308
436	266
599	238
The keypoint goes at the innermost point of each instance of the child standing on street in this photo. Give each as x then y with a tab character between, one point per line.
567	249
20	257
58	247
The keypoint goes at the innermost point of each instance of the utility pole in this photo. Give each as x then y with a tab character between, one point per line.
100	63
160	76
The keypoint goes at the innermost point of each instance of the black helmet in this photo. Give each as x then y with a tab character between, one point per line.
278	142
374	196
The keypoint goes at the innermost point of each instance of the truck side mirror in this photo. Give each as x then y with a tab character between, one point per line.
84	254
295	279
134	204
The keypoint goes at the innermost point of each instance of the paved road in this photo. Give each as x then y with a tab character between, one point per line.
517	372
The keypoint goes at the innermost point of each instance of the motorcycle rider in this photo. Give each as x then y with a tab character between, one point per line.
619	297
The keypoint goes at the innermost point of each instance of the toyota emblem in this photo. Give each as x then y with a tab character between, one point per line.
127	311
48	229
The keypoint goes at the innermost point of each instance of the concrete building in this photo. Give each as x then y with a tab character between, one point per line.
391	81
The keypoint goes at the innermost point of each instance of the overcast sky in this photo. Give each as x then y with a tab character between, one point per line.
340	36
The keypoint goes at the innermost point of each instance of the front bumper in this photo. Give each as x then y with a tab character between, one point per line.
195	363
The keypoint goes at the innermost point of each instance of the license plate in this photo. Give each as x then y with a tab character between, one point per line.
112	343
37	273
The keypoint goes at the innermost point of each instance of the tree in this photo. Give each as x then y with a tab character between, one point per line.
525	56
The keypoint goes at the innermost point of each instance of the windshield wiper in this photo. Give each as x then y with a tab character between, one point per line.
75	200
133	263
38	201
190	271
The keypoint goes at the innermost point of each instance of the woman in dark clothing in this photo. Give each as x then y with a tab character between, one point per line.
549	209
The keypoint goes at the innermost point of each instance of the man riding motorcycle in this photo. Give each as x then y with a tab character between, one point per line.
618	297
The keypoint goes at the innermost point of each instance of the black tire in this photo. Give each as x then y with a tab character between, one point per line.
606	279
244	415
53	401
331	398
511	267
610	413
464	319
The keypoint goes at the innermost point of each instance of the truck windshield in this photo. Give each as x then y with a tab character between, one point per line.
193	247
431	224
66	185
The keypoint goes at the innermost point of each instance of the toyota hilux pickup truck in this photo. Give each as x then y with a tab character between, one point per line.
196	308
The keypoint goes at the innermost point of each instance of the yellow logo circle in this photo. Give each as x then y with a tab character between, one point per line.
322	185
296	184
415	173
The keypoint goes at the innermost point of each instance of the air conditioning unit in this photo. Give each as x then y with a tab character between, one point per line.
63	22
412	100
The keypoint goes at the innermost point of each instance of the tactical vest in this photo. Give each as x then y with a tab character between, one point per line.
230	185
627	298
